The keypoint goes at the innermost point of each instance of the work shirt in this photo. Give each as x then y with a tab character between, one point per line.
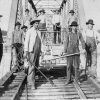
71	19
27	21
56	19
30	39
42	18
17	36
91	33
91	37
72	42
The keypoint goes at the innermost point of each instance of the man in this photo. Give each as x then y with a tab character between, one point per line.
17	37
55	21
42	24
71	47
32	48
27	18
1	42
71	17
24	29
92	39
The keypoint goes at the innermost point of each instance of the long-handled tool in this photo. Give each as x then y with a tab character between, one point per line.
51	82
66	55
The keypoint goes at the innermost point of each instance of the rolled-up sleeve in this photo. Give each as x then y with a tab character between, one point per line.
66	43
82	40
97	36
26	43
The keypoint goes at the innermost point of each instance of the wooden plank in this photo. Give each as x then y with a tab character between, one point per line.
52	97
95	83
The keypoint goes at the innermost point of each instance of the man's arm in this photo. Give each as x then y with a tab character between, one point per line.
82	40
12	38
66	43
97	37
26	41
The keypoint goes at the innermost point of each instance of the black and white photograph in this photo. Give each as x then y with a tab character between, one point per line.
49	49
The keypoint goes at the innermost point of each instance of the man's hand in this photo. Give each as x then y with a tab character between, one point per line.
98	42
26	54
83	51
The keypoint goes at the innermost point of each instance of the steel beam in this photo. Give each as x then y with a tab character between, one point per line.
12	19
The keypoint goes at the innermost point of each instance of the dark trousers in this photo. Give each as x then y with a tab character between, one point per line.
57	31
72	67
34	61
1	52
18	50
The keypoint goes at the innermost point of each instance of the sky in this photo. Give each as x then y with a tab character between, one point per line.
91	8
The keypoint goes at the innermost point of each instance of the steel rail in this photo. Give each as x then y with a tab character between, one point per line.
79	90
16	95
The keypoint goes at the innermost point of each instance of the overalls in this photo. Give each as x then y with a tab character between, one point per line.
73	61
91	53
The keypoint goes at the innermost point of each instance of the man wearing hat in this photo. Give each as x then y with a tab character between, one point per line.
71	17
1	42
56	19
17	38
27	18
42	25
91	45
24	29
32	48
71	46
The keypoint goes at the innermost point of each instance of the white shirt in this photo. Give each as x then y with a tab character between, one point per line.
42	18
27	20
56	19
91	33
71	19
30	39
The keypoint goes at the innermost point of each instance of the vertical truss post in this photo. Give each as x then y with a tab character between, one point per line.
12	19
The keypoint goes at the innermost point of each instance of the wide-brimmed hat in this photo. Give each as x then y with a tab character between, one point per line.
17	23
33	21
90	21
74	23
71	11
1	16
24	27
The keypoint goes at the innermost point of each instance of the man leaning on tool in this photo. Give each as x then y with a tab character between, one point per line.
71	46
32	48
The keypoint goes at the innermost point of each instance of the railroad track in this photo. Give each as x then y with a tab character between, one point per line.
17	89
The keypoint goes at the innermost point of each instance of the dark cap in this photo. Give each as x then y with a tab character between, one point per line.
90	21
1	16
35	20
74	23
71	11
27	10
24	27
17	23
42	11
